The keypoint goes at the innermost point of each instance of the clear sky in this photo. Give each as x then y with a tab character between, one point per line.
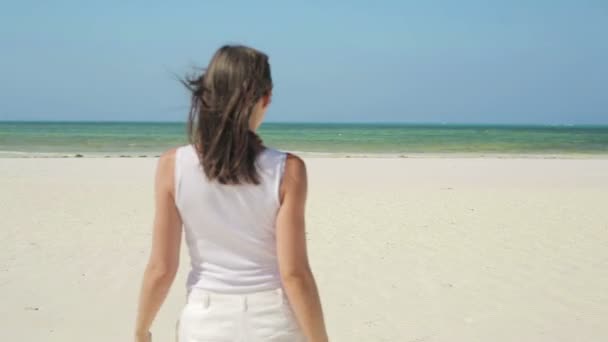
511	61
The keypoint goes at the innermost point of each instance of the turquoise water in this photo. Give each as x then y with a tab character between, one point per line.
130	138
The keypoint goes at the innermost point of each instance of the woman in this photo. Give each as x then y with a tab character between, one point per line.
241	205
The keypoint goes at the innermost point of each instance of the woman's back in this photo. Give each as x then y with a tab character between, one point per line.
241	206
230	229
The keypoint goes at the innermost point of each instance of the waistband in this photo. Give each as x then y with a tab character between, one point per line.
205	298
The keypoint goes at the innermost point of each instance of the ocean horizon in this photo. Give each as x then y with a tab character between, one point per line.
139	139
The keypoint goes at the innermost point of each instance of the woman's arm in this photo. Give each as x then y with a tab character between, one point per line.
164	256
296	275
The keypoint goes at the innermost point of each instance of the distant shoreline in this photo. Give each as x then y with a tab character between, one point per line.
340	155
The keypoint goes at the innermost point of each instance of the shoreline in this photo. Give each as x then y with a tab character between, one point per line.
339	155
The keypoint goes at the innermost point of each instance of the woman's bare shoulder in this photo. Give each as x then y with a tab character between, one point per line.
167	158
295	165
295	177
165	168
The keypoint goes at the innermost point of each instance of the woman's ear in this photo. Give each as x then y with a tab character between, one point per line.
266	99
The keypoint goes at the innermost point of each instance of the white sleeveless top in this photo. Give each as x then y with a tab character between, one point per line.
230	229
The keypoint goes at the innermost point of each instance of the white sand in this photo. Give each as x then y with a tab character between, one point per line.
403	249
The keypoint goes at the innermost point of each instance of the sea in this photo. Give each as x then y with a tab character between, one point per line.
149	139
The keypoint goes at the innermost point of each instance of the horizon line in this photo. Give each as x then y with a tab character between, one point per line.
326	122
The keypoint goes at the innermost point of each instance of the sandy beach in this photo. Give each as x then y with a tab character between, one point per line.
404	249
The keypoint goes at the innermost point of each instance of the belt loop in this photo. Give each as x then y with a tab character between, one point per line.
245	304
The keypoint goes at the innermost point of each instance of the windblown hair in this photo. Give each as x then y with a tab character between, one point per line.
223	98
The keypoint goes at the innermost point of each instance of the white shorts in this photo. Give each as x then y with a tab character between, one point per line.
260	316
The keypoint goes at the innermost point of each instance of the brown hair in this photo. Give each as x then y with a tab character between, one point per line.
223	98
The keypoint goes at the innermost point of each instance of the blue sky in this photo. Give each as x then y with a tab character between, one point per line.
399	61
